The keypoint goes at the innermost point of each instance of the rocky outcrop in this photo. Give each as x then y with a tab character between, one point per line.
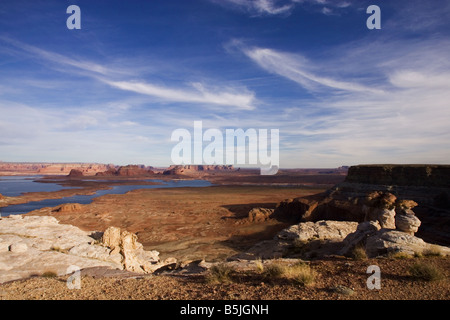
108	173
128	171
133	171
124	245
11	168
320	230
75	173
259	214
1	197
373	205
192	169
299	209
36	244
324	238
401	175
303	240
360	199
377	241
407	223
68	207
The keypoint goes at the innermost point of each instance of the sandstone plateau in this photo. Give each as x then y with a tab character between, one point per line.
194	169
38	244
88	169
382	188
128	171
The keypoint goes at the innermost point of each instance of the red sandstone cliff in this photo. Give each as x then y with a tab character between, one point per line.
193	169
88	169
127	171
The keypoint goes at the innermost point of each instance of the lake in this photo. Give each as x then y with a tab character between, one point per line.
15	186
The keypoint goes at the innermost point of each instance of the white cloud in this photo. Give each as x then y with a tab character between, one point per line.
282	7
260	7
199	94
416	79
398	112
295	68
239	98
53	57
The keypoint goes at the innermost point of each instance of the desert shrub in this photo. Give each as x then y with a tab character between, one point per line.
433	251
49	274
259	266
426	272
400	255
359	253
299	273
302	274
220	273
273	271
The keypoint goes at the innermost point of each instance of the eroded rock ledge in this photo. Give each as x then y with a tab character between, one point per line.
427	185
321	239
401	175
37	244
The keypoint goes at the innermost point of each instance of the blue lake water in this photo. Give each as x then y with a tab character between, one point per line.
17	185
12	187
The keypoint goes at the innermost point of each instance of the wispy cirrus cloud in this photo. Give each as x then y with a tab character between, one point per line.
197	94
48	56
282	7
389	107
259	7
212	95
296	68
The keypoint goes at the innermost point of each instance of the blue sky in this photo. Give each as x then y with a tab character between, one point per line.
114	91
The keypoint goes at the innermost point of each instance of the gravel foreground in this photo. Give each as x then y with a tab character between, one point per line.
337	279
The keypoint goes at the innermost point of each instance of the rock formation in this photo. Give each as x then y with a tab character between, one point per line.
11	168
68	207
259	214
377	241
1	197
401	175
35	244
193	169
384	221
127	171
326	238
320	230
124	245
362	198
304	240
75	173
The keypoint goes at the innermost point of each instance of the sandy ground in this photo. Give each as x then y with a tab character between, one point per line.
396	283
186	223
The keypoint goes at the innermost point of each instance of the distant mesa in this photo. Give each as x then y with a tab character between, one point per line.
128	171
192	169
75	173
401	175
24	168
68	208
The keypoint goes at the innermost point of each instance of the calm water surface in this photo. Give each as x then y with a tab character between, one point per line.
15	186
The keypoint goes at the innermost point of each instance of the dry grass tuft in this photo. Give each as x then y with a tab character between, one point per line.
426	272
49	274
221	273
299	273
